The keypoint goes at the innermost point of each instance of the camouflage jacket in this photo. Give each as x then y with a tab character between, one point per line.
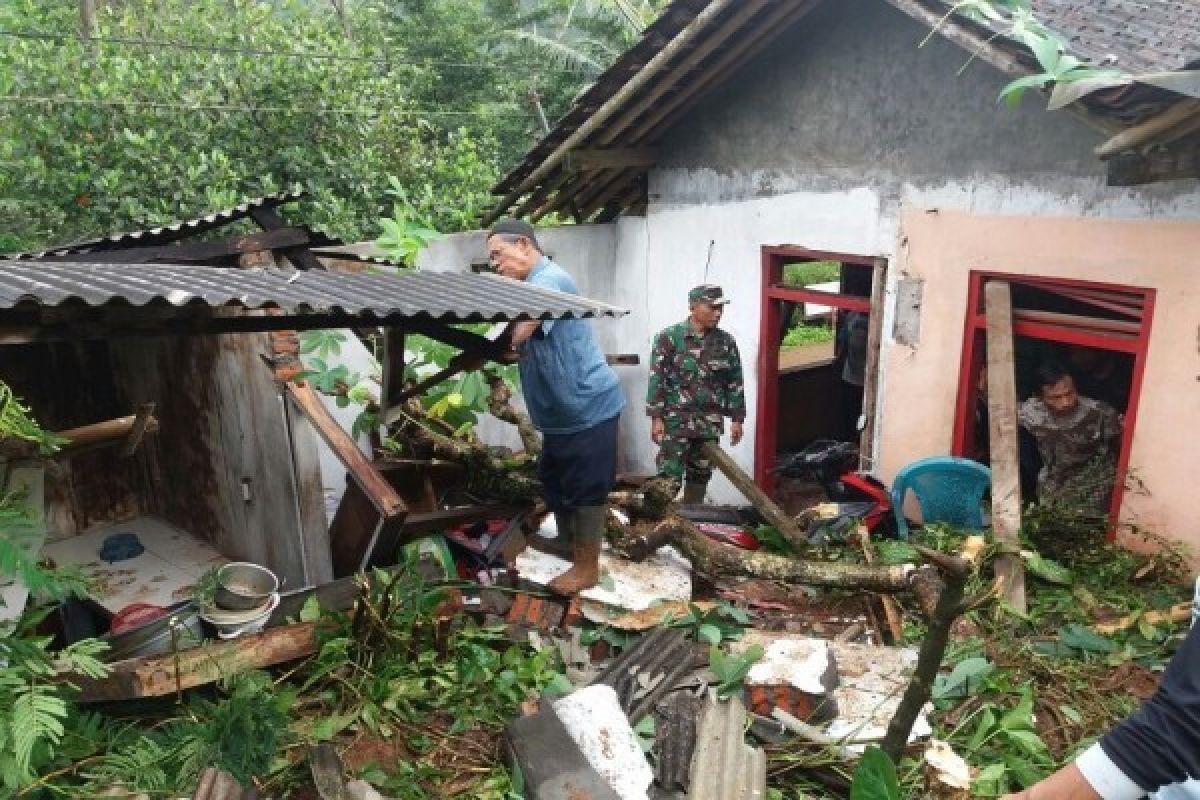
1078	450
695	381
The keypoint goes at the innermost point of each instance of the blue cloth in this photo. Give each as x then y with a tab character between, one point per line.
567	383
121	547
579	469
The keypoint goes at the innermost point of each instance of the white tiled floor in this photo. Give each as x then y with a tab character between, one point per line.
164	574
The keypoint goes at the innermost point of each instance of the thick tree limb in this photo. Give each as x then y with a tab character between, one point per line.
771	512
714	559
499	401
929	659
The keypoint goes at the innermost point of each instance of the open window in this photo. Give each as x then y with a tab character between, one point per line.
818	351
1099	332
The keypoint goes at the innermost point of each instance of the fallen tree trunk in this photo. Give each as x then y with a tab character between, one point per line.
714	559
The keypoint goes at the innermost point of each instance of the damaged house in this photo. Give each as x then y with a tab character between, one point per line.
738	140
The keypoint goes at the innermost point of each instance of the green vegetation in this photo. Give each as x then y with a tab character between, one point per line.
806	273
177	107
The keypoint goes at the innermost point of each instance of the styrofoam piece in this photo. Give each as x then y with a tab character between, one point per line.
796	661
595	721
628	585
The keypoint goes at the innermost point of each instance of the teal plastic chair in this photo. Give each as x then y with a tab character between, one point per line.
948	490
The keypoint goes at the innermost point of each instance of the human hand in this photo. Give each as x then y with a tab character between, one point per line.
735	433
658	429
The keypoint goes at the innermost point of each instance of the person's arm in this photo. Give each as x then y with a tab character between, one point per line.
1066	784
735	394
520	332
656	386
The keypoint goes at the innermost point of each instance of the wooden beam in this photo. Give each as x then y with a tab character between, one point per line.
748	45
381	494
162	675
586	158
109	432
600	117
141	423
773	514
1002	430
1078	321
393	366
866	444
192	251
269	219
1143	132
1171	164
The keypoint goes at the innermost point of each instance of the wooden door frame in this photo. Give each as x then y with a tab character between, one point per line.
975	322
769	338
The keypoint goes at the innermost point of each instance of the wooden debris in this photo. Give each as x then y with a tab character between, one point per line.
772	513
1002	429
1180	612
162	675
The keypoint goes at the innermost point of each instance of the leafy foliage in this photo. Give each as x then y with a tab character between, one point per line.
719	623
875	777
730	669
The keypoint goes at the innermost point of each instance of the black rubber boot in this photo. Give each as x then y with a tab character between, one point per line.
562	545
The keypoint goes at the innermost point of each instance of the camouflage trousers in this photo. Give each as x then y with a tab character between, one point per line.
683	458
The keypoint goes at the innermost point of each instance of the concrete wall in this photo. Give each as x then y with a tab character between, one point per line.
943	247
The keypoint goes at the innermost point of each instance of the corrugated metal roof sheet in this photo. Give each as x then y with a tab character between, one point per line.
444	296
179	230
1144	36
724	767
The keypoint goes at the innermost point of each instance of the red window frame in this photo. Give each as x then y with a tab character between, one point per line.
1124	340
773	259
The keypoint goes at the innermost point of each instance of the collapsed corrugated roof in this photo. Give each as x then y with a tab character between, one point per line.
35	294
594	163
181	229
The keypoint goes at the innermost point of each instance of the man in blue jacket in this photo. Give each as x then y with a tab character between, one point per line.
573	398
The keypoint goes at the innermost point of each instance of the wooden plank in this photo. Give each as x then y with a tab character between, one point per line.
1077	321
374	485
142	421
771	512
301	256
392	366
110	432
162	675
866	444
1002	430
310	497
585	158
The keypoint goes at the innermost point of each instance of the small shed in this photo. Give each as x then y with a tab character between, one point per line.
158	319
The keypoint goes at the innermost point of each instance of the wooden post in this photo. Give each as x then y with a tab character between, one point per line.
866	443
87	18
1002	428
773	514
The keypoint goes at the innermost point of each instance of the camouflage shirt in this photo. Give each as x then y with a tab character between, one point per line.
1079	450
695	380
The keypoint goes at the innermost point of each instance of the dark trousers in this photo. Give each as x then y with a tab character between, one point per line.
579	469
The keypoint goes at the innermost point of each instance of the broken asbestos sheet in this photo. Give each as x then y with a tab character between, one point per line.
866	681
628	585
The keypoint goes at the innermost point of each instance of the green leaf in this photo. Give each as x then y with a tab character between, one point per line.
991	781
1047	51
967	676
311	610
710	634
875	778
1047	570
1083	638
1012	92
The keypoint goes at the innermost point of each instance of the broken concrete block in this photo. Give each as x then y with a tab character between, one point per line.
796	674
871	681
595	722
552	765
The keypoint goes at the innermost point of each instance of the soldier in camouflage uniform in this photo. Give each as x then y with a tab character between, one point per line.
1078	439
695	382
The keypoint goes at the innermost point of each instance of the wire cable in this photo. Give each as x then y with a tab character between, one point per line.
216	48
403	112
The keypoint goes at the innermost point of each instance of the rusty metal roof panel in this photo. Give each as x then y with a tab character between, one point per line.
444	296
724	767
181	229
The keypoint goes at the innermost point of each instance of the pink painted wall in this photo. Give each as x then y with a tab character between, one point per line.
920	383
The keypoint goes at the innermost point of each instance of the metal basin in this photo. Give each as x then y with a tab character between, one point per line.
242	586
155	636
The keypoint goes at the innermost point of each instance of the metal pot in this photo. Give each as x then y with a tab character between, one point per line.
155	636
242	586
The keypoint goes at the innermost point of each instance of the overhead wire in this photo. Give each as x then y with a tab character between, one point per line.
216	48
404	112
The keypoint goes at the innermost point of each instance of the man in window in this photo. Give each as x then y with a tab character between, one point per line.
1078	439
